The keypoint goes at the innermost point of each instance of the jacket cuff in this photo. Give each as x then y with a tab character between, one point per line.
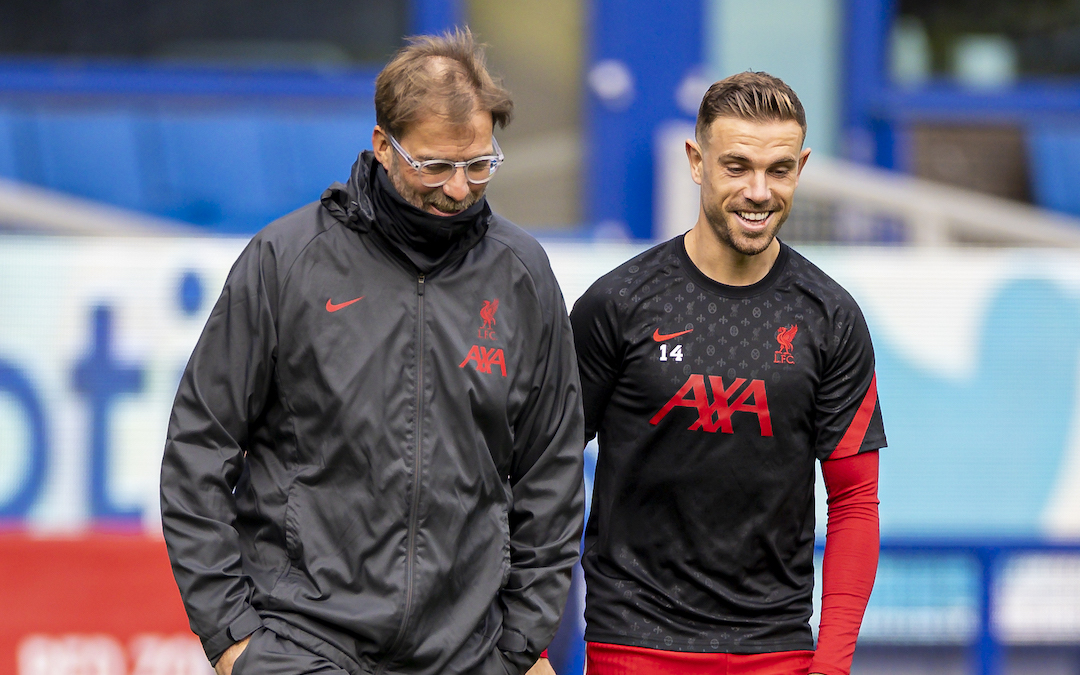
514	647
512	641
238	629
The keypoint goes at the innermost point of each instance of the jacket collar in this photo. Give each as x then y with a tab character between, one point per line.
351	203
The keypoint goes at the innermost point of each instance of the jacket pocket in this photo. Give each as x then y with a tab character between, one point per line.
294	549
240	664
504	523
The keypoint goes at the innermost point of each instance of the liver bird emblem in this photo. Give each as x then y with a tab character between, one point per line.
487	312
784	335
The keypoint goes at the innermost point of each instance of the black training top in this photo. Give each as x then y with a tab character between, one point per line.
711	403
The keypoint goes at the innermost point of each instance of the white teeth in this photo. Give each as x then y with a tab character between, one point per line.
752	216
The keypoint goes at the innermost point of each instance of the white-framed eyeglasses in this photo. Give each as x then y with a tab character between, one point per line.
436	172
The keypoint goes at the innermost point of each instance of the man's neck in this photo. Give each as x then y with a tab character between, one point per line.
718	261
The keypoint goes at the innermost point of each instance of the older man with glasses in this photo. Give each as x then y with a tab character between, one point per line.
374	461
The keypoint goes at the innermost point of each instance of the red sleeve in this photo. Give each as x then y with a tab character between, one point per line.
851	558
543	654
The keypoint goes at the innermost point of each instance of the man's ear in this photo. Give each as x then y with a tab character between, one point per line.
693	153
380	144
803	156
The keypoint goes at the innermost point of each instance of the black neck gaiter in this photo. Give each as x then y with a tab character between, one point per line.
424	238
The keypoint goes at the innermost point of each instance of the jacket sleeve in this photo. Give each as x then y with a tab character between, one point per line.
548	491
223	389
599	353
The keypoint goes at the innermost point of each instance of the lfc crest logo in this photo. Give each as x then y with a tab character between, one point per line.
487	313
784	335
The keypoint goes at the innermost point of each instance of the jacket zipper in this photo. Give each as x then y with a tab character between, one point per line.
410	553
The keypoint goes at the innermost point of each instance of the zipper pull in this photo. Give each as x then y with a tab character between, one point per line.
420	285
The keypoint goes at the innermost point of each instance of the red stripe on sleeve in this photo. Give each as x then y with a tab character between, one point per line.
851	559
851	442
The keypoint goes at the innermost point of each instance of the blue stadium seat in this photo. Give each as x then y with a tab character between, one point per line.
8	157
90	153
308	152
212	170
323	149
231	171
1054	151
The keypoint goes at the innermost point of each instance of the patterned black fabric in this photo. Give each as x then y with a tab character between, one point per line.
711	403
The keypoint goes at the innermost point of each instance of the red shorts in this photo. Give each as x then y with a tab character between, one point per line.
605	659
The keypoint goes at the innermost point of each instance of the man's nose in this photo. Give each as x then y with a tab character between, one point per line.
457	188
757	190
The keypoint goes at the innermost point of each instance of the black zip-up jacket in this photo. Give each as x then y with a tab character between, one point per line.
382	466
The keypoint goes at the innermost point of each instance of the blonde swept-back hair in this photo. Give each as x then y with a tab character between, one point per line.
750	96
445	75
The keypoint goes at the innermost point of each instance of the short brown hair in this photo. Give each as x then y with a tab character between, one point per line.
445	74
749	96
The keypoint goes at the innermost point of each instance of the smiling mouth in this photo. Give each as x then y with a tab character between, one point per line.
754	219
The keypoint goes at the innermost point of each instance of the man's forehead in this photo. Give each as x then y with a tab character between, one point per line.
436	117
728	134
434	136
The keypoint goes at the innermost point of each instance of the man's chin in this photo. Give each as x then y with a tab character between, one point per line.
753	246
749	242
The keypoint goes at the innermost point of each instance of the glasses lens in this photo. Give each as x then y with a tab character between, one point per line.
481	169
433	174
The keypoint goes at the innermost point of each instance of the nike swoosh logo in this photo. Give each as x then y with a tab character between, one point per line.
660	337
331	307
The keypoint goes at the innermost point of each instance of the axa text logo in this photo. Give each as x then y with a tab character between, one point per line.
487	313
716	415
485	358
784	335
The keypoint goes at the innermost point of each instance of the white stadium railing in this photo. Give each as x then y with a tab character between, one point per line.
30	209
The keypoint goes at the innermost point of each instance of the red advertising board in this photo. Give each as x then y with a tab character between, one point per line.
97	604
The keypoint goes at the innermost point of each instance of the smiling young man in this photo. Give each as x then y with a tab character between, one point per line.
374	460
716	368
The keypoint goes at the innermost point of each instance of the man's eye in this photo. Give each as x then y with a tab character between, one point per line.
735	168
437	168
479	167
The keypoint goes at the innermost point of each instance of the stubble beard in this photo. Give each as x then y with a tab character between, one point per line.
730	234
436	197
